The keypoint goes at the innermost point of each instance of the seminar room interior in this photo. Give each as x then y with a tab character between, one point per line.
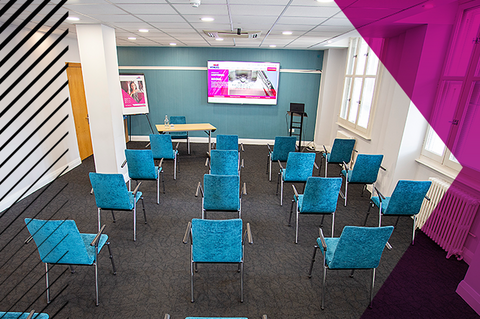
414	103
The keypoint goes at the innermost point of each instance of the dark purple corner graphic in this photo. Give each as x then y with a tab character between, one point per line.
417	39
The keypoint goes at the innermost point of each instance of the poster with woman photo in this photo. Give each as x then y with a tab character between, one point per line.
134	94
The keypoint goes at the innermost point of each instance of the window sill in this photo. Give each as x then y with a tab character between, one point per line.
437	167
354	131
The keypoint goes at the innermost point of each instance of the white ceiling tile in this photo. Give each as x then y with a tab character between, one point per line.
94	9
147	8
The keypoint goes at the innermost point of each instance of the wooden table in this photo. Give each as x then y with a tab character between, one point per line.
206	127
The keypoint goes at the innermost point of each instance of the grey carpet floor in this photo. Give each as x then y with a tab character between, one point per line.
153	272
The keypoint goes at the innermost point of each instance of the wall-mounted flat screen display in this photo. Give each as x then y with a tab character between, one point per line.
243	82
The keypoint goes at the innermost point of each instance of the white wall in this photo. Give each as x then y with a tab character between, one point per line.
71	158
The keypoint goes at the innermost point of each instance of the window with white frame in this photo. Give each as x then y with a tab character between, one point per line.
458	97
359	87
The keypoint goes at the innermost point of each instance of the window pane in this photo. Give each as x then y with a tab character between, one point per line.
346	98
434	143
366	104
352	51
362	57
453	159
461	49
466	148
449	93
357	87
372	63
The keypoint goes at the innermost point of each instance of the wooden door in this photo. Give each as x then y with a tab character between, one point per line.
79	107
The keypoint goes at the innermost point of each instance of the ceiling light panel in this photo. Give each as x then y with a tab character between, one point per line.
256	10
157	8
314	11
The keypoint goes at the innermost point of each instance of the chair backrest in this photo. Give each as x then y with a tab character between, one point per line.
299	166
283	145
20	315
321	195
141	164
407	197
224	162
360	247
365	169
227	142
161	145
221	192
178	120
217	240
111	192
58	241
341	150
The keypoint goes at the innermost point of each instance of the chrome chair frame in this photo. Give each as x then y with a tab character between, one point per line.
247	236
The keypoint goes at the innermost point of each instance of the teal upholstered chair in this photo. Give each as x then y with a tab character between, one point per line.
162	147
299	168
283	145
229	143
180	135
356	248
217	241
23	315
224	162
60	242
111	193
406	200
141	167
221	193
365	171
319	197
342	150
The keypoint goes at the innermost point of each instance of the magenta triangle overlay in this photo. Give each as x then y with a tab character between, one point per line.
389	19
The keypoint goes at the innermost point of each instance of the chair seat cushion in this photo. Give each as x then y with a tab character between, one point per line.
385	202
331	247
22	315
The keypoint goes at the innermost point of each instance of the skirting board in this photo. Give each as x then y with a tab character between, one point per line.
246	141
49	177
469	295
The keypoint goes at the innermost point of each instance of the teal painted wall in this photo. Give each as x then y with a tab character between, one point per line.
179	92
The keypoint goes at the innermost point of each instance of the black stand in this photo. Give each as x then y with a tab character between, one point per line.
130	124
297	125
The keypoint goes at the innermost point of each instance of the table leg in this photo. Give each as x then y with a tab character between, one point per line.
209	142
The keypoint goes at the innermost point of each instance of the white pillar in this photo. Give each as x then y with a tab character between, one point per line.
98	56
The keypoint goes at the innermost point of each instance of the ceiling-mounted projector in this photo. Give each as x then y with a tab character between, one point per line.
195	3
237	33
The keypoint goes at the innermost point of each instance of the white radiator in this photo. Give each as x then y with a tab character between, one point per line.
447	218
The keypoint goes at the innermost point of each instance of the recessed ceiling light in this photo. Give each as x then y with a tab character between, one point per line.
329	41
142	30
173	44
324	1
272	46
207	19
287	32
73	18
218	39
132	38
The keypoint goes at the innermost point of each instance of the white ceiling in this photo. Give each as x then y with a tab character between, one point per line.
313	25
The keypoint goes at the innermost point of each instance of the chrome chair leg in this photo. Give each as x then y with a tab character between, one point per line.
323	282
144	214
351	274
163	181
113	216
313	260
368	213
281	192
291	211
72	271
414	226
333	223
47	283
96	283
371	288
98	218
134	221
191	281
296	225
241	281
158	189
175	167
111	258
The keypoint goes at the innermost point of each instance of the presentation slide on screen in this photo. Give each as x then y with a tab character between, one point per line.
243	82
